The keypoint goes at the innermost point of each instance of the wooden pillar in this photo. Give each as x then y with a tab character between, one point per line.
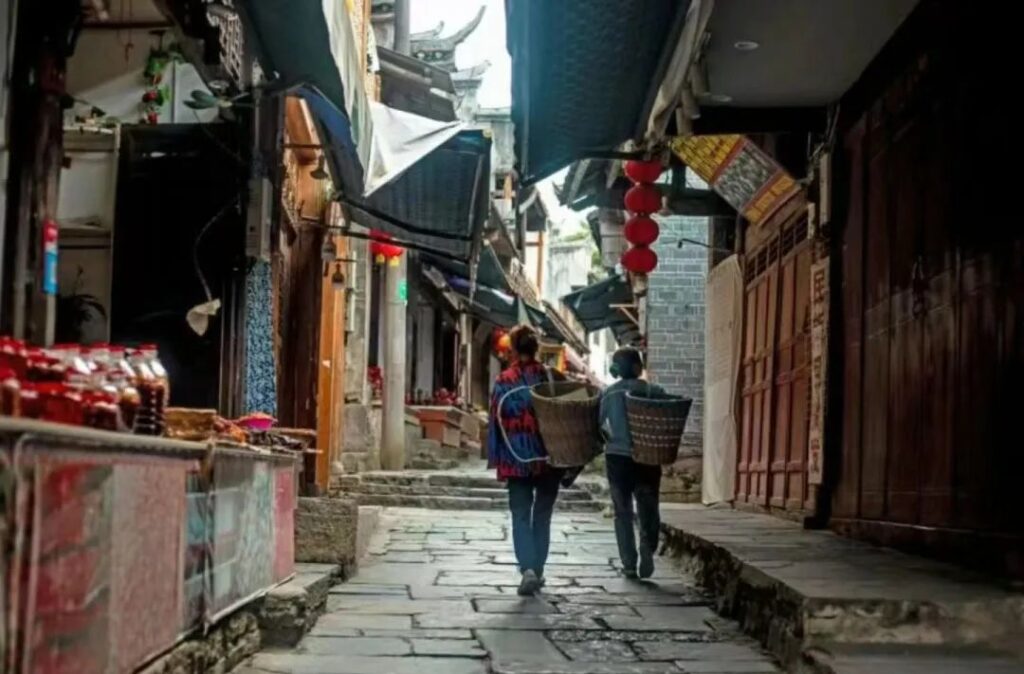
331	377
45	41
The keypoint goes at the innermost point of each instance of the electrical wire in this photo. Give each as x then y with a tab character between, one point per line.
199	238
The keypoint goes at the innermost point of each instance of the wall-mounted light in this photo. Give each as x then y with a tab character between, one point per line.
320	172
745	45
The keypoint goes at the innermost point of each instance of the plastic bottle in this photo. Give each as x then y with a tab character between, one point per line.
12	355
122	377
73	361
152	359
10	392
148	417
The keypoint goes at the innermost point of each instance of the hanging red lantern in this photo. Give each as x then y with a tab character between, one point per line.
640	260
643	199
643	171
501	343
382	251
640	230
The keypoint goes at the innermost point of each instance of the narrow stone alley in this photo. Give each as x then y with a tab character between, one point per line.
437	595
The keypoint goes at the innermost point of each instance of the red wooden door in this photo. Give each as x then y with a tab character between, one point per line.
758	363
788	467
772	464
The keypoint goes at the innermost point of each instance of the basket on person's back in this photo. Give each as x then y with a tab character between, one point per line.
656	424
567	417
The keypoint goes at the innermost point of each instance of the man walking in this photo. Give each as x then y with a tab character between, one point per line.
627	479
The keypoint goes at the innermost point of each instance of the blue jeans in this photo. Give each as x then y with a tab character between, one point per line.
630	480
532	501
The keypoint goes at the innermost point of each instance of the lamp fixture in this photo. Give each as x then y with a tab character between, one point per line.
320	172
745	45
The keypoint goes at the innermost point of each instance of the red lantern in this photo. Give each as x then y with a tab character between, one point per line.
643	199
382	250
641	230
643	171
640	260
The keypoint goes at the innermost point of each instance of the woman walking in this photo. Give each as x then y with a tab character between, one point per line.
516	451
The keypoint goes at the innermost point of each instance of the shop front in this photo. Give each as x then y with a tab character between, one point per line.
117	546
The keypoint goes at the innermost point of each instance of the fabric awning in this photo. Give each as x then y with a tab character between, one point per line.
584	75
489	304
594	306
437	205
423	181
489	271
410	84
311	47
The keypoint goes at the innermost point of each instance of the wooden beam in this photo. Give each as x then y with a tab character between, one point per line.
702	203
716	120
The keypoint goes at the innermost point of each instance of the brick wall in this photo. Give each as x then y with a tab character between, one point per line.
675	339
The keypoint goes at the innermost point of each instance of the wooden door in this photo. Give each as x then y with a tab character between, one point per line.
758	361
772	463
788	467
932	288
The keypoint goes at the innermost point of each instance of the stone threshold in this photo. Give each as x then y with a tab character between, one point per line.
805	593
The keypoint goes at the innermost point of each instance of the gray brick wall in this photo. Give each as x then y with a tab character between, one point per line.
675	317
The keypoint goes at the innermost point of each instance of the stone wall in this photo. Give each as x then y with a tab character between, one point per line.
675	339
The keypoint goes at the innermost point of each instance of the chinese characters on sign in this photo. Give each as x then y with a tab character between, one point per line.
751	181
819	351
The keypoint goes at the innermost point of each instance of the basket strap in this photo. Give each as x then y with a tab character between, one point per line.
504	434
551	380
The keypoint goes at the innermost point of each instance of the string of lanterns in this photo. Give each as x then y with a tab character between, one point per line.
642	199
383	251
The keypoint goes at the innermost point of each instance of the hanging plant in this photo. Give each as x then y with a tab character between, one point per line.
157	94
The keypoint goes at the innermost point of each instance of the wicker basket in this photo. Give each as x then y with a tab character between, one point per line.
656	424
567	416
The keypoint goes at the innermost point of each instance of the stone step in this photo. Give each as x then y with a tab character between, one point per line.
859	658
430	463
798	590
439	451
289	611
474	481
358	462
462	502
361	487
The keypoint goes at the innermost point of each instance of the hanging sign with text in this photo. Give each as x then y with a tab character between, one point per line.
740	172
819	360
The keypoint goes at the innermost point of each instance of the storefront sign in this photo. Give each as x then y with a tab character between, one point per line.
740	172
819	359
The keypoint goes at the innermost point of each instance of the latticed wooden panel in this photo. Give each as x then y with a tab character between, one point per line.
232	41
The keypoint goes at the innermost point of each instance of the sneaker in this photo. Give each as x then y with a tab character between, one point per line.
646	568
529	584
630	574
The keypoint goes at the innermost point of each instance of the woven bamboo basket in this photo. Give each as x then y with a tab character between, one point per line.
656	424
567	417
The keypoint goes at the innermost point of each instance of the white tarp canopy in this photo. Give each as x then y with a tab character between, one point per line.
400	139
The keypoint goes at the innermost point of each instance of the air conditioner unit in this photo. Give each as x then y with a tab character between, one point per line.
257	221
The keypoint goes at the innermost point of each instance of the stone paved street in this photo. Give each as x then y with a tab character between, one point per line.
437	596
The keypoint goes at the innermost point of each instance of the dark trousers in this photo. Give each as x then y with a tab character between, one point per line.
630	480
532	501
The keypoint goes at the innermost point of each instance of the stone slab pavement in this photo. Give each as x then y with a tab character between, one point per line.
437	595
